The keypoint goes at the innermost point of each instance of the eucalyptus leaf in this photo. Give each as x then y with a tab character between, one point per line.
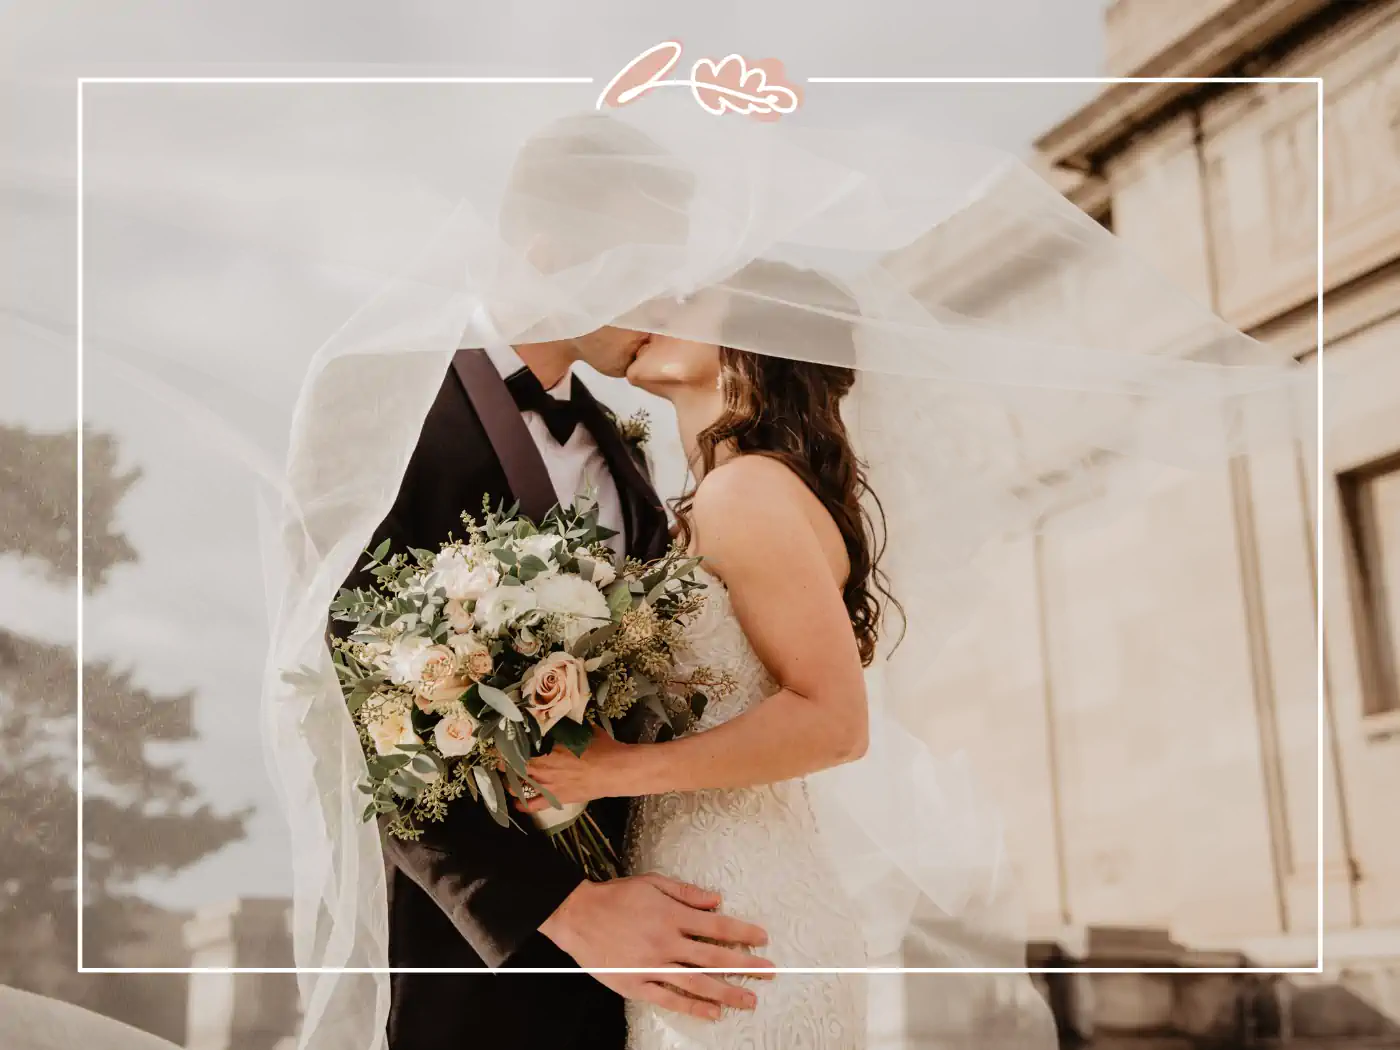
405	783
499	702
593	638
424	763
381	550
492	794
382	765
514	783
619	597
510	750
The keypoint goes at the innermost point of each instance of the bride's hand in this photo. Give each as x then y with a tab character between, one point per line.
574	778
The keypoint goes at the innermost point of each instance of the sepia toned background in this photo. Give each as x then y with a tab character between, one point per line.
1152	826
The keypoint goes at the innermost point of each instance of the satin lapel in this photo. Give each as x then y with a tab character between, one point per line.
506	430
647	534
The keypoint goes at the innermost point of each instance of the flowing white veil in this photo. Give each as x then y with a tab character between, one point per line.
1015	360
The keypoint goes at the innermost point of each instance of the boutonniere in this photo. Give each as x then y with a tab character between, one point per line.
636	429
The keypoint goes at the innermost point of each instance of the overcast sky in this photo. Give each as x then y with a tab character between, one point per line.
176	517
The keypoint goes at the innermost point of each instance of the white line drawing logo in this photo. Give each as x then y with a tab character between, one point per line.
757	89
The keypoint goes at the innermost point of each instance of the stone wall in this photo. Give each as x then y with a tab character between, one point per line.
1143	694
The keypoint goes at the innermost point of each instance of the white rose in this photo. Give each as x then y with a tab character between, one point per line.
406	658
572	596
461	579
542	546
391	730
555	688
454	734
579	603
502	605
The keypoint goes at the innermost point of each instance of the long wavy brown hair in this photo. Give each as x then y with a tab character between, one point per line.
791	411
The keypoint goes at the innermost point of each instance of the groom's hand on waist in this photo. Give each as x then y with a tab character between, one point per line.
651	921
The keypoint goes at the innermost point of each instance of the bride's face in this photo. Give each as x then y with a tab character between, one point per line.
666	366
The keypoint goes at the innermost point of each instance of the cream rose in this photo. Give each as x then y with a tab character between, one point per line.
457	616
463	580
502	605
555	688
392	729
441	678
473	658
526	643
454	735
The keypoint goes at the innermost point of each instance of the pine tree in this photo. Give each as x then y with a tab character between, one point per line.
141	818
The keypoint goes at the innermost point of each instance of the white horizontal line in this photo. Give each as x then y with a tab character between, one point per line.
1064	80
335	80
696	969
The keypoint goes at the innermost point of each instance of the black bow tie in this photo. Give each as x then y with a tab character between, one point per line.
559	414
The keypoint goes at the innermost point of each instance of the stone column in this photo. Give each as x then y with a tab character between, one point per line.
241	1011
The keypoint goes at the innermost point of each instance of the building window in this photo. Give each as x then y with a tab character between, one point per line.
1371	504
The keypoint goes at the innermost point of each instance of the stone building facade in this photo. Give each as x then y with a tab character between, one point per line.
1159	759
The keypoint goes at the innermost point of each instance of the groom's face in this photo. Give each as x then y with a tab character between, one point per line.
610	350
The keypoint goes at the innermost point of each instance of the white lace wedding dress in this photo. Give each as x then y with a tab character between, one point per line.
757	847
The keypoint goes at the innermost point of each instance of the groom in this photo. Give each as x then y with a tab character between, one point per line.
513	424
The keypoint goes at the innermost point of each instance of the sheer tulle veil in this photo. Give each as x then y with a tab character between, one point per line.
1016	363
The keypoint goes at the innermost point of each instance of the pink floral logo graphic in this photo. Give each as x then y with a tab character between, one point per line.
757	89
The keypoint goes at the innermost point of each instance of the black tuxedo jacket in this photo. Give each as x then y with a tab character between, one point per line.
470	893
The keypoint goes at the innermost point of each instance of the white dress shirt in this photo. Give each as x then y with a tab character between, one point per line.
577	464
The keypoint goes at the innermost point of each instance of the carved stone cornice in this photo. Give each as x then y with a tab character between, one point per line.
1213	47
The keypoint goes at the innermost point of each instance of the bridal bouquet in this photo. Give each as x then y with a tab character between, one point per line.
466	661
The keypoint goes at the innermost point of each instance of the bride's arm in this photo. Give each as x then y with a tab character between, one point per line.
753	531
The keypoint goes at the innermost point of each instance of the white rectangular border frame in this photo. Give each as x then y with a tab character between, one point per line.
1318	546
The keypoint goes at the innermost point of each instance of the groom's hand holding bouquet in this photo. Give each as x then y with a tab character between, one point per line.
466	662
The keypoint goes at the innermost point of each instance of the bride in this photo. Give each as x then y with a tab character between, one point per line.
793	615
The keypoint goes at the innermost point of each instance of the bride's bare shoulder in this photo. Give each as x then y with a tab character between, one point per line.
757	509
748	499
752	484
